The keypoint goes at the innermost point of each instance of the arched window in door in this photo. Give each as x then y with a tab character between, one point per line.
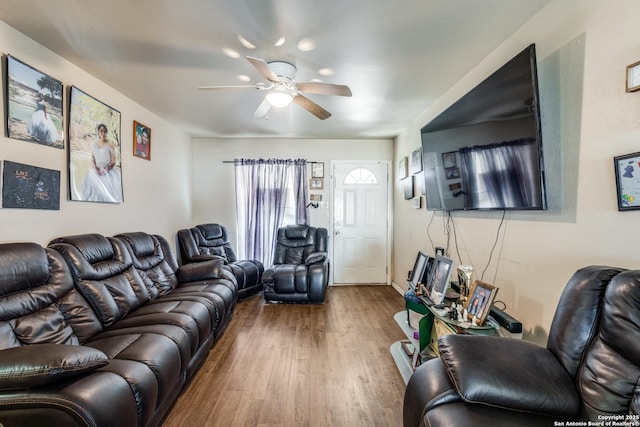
360	176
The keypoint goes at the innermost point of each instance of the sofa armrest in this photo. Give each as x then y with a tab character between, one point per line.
201	258
316	257
39	364
205	270
508	373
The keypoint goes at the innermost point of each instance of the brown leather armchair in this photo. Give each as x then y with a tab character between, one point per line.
300	270
588	371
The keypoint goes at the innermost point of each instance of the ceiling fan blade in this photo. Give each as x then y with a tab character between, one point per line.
324	89
311	107
262	109
228	87
263	68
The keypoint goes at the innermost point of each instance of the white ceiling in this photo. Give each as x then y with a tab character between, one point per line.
397	56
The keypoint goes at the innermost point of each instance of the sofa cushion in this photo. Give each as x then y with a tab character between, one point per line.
529	378
40	364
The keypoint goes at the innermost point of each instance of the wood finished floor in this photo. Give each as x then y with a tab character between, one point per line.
302	365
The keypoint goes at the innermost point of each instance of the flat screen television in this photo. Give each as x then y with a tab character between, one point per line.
485	150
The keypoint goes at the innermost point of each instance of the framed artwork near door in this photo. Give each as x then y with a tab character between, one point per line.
317	170
316	183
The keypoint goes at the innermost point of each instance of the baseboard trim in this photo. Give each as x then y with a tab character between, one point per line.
397	288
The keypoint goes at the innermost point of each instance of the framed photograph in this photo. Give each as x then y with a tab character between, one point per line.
439	278
627	169
452	173
141	140
449	160
317	170
34	105
415	164
419	274
30	187
316	183
417	202
633	77
480	301
95	173
403	170
408	188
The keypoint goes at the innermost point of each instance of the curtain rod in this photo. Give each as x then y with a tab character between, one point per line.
233	161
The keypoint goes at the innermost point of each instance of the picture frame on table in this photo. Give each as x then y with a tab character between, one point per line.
141	140
480	300
34	105
627	170
439	278
94	129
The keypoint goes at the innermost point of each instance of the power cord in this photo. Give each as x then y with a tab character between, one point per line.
495	243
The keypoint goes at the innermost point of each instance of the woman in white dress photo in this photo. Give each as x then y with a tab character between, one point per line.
102	182
41	127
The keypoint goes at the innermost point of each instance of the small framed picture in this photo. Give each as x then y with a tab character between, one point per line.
439	278
480	301
627	169
403	170
408	188
417	202
141	140
317	170
316	183
449	160
415	164
633	77
452	173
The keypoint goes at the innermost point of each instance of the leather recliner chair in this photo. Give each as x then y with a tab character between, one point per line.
210	241
588	371
300	271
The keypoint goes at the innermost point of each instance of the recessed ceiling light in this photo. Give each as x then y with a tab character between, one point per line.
305	45
280	42
326	71
246	43
230	53
243	78
316	80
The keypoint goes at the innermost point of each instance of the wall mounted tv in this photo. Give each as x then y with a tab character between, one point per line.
485	150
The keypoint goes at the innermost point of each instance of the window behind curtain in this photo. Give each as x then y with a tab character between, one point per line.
269	194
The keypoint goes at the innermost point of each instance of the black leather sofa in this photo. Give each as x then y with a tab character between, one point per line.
104	331
588	373
300	270
210	241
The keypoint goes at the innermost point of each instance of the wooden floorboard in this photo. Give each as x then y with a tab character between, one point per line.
302	365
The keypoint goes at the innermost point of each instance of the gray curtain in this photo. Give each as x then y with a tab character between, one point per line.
501	175
265	190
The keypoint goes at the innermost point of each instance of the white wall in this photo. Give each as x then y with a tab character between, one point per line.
157	193
583	47
213	181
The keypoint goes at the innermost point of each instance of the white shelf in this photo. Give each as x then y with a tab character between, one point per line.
403	362
401	319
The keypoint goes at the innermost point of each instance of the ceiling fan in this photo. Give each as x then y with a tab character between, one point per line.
283	89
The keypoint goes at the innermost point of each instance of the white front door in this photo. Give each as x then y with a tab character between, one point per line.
360	222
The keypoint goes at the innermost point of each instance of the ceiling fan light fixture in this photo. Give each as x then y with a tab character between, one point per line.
279	99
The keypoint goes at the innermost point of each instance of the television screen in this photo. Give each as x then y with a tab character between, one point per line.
485	150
